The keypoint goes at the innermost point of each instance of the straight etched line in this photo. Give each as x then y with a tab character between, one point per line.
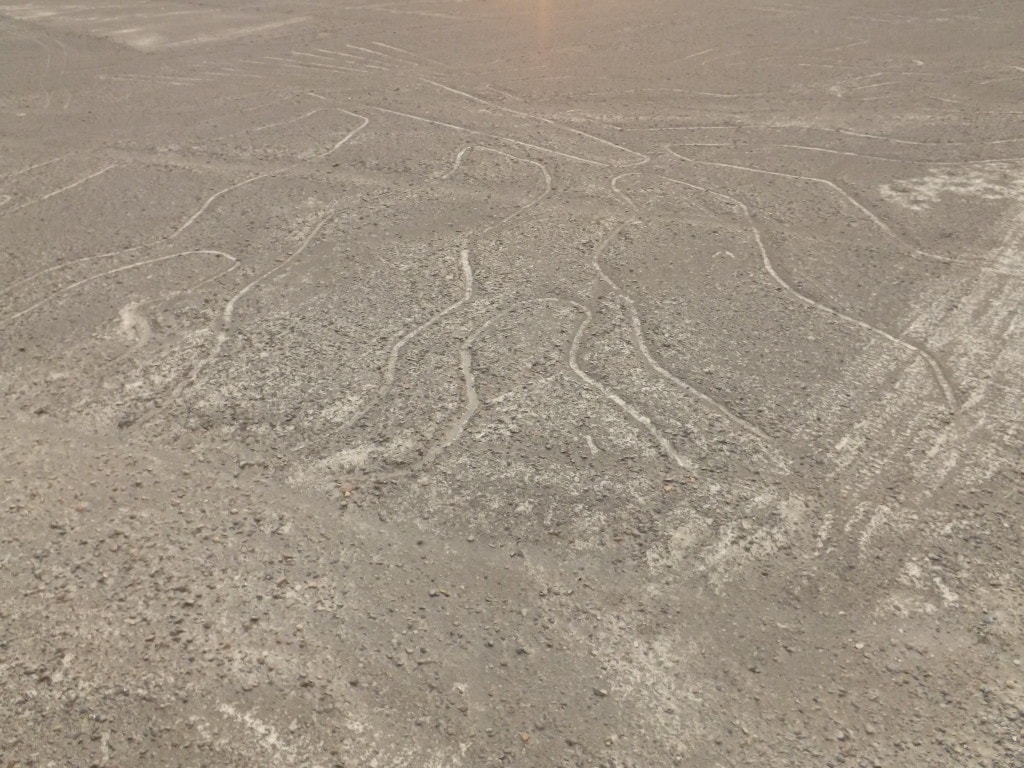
56	192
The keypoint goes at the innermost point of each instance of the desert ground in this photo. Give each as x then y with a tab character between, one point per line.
458	383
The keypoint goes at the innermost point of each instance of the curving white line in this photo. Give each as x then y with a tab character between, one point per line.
192	219
1002	79
467	276
31	168
56	192
669	376
348	137
454	432
235	263
266	127
638	333
831	185
940	376
117	270
643	158
473	403
396	350
159	302
612	397
229	308
506	139
548	184
66	265
914	251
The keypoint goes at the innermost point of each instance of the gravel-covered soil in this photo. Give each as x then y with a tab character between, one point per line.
458	383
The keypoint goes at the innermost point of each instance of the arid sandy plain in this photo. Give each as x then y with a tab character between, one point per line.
457	383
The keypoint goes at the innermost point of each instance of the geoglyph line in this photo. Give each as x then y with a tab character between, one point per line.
841	131
667	375
454	432
340	53
639	417
266	127
898	159
547	181
313	55
67	188
32	168
466	266
309	65
914	251
150	80
940	376
63	69
643	158
638	334
351	134
46	72
500	92
241	73
115	271
391	368
181	229
506	139
227	313
67	265
895	140
321	68
229	307
378	53
831	185
410	54
467	295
